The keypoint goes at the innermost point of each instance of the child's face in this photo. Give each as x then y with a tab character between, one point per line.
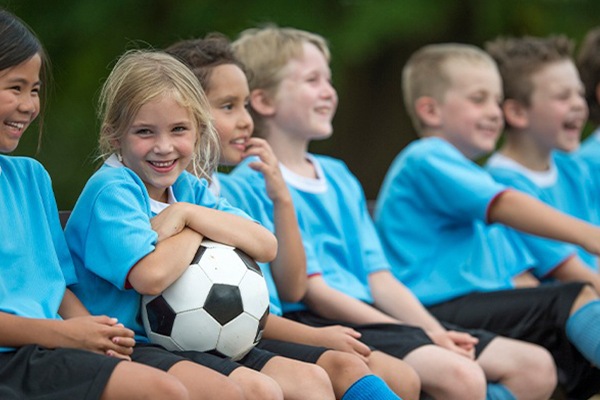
19	101
228	98
470	115
558	110
159	144
305	102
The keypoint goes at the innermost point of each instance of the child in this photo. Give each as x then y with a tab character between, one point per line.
50	346
222	77
436	212
141	217
293	103
588	63
544	111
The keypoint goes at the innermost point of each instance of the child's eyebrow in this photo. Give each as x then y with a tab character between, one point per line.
23	81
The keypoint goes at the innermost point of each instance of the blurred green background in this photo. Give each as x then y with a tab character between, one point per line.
370	41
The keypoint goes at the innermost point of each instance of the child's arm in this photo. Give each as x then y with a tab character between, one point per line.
525	279
289	267
219	226
99	334
334	337
155	272
333	304
395	299
530	215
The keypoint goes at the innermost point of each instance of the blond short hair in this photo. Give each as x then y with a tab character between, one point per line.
265	51
140	76
426	73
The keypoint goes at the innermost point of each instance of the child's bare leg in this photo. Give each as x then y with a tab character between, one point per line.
447	375
256	385
526	370
135	381
399	375
286	372
204	383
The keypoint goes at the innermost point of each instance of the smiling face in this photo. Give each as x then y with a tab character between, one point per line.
469	115
19	101
228	98
158	144
305	101
557	112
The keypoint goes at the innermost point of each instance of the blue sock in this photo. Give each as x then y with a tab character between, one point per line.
496	391
369	387
583	330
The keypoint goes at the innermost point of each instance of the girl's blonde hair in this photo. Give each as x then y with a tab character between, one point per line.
140	76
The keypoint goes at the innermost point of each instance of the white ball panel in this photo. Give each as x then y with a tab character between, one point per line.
255	295
223	266
211	245
189	291
164	341
237	337
195	330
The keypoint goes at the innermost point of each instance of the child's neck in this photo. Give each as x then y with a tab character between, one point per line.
521	149
292	154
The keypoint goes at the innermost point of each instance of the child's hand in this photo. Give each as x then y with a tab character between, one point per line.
170	221
459	342
269	167
100	334
343	339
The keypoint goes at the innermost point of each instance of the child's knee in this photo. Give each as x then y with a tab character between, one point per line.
464	381
262	387
586	295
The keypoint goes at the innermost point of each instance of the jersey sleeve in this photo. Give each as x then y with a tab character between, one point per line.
118	215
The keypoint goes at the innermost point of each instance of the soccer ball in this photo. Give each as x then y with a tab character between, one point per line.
220	304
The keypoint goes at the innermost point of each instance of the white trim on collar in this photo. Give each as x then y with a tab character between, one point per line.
311	185
542	179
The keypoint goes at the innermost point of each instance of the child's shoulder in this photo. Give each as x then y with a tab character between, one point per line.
19	167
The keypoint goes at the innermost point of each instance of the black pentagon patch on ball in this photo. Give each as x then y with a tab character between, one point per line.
249	261
261	326
224	302
160	316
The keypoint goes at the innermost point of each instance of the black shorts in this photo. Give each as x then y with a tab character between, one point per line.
296	351
396	340
33	372
536	315
158	357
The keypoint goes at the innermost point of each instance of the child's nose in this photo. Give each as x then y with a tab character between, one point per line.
163	144
28	104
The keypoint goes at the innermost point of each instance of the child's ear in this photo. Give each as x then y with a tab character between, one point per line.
515	113
261	102
427	111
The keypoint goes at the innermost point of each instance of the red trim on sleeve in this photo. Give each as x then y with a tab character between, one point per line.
491	204
314	274
127	284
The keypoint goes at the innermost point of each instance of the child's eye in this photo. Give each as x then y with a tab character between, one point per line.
143	132
227	107
180	129
247	105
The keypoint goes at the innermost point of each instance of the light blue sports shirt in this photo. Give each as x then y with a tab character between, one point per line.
109	231
35	264
432	213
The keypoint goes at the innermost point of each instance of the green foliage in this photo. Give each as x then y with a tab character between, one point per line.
370	40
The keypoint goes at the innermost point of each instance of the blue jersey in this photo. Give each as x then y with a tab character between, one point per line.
239	194
335	225
589	153
109	231
431	215
566	186
35	264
